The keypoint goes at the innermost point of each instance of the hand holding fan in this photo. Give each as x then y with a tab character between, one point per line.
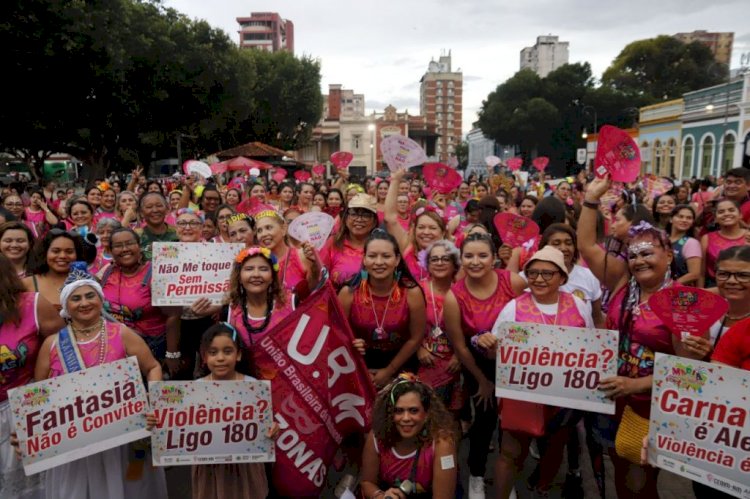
618	154
514	229
401	152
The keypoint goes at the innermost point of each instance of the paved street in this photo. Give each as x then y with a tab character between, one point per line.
670	486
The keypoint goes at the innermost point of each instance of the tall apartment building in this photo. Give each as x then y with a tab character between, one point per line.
342	104
266	31
441	103
719	43
548	54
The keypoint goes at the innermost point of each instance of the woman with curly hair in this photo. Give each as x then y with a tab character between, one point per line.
258	301
411	450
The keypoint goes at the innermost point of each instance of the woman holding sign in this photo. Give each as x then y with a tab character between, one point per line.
411	450
386	309
90	340
470	310
127	290
546	303
642	334
25	318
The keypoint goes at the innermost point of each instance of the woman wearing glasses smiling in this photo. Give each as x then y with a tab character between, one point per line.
342	255
126	283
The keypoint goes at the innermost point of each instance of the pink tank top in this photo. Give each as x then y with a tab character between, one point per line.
567	311
36	221
395	469
19	346
90	350
128	299
717	243
342	263
291	270
648	335
478	316
395	322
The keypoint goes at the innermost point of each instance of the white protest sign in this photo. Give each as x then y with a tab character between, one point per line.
700	423
555	365
81	414
184	272
211	422
313	227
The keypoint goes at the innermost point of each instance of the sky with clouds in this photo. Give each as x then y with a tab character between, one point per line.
381	48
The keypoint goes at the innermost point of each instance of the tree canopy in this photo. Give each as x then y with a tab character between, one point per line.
114	82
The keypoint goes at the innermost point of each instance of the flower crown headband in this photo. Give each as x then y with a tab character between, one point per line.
190	211
257	250
427	209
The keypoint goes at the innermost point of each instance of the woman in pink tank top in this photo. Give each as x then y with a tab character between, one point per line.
385	307
546	271
427	227
469	310
95	342
258	302
642	334
730	233
294	268
411	450
342	254
25	318
439	366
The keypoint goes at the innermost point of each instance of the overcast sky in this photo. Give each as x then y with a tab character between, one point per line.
382	48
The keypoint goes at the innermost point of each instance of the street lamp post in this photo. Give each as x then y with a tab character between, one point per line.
371	128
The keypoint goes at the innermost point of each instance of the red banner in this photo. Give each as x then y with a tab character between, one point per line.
321	391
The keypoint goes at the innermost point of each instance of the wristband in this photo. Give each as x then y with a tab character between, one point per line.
475	341
173	355
594	205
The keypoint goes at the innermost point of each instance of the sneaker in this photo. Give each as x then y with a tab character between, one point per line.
573	485
533	450
347	483
476	487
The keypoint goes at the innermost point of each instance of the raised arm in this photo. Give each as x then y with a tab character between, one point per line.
607	268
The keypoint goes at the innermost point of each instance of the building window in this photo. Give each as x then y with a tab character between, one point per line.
356	142
450	84
672	157
727	155
658	158
707	152
687	158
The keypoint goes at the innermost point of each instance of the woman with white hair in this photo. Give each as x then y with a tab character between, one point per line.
93	341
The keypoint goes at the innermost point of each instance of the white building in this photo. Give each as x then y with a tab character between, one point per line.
479	148
548	54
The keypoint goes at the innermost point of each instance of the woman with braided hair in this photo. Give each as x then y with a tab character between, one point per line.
411	450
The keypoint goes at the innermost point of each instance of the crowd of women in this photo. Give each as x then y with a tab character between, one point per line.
424	293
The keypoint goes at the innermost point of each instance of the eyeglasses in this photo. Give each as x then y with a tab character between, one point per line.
126	244
192	224
13	204
724	275
363	214
441	259
547	275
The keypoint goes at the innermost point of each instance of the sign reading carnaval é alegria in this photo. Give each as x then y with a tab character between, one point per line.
184	272
555	365
69	417
211	422
700	423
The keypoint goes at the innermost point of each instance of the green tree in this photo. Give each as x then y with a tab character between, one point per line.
462	153
663	68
